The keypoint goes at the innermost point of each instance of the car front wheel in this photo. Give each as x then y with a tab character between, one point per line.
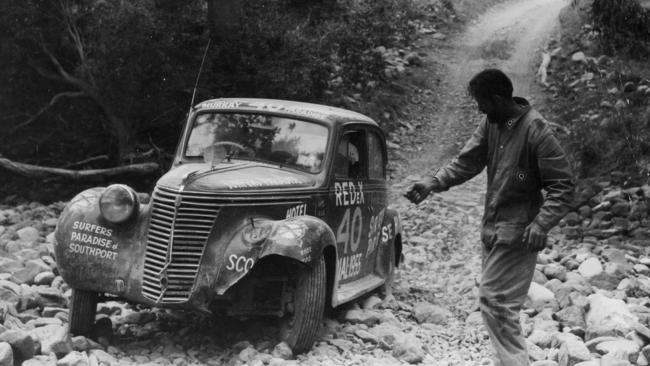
83	308
300	326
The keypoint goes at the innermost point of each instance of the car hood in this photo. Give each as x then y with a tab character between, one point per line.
242	175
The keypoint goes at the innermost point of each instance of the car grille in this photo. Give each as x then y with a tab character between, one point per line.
183	222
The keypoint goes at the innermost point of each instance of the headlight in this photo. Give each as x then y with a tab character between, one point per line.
118	203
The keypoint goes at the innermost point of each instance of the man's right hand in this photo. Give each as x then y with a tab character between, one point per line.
420	190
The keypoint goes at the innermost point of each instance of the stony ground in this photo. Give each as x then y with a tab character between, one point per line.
590	301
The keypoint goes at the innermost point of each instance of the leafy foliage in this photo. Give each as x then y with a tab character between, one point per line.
625	25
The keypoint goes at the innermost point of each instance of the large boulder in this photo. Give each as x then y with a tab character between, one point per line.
590	267
539	296
608	316
22	344
622	349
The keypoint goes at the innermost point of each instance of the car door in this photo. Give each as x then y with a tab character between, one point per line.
350	204
377	191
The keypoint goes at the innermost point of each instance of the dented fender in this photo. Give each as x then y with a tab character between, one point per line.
96	255
300	238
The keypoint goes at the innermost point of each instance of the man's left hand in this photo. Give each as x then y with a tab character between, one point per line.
534	237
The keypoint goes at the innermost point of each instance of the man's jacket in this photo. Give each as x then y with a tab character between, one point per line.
523	157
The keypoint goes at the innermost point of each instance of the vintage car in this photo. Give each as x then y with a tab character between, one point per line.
271	208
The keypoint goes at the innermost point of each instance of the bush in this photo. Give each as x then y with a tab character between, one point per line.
625	26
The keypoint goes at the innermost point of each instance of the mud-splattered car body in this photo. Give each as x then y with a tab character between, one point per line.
309	185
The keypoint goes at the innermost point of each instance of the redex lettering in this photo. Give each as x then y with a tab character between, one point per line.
349	193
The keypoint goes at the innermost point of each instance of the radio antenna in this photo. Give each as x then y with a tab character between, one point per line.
196	84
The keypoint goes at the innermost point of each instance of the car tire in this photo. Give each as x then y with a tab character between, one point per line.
299	329
83	308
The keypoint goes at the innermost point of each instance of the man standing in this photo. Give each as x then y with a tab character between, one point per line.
523	158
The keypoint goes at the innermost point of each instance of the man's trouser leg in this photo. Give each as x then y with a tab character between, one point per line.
506	276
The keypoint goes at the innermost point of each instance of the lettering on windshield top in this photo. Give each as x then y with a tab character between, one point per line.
287	109
349	193
221	104
252	183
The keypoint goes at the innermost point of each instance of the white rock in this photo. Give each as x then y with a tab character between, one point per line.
579	57
608	317
590	267
74	358
573	351
28	235
539	295
621	349
6	354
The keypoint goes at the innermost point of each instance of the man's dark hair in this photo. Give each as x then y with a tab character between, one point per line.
490	82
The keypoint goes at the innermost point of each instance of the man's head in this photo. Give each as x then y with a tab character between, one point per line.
492	90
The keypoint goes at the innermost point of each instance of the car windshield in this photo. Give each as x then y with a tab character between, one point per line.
289	142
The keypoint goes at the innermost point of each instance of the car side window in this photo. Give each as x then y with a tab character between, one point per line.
376	159
350	159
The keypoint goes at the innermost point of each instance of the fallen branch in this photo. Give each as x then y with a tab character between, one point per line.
36	171
542	72
86	161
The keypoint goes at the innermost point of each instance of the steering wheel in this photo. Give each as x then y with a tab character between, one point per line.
229	152
231	144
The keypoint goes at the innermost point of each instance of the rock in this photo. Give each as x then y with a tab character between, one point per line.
571	316
386	333
539	296
28	273
6	354
74	358
579	57
621	349
572	219
539	277
541	338
371	302
608	360
10	292
609	278
535	352
544	363
8	265
555	270
474	319
103	358
620	208
283	351
22	344
366	336
367	317
247	354
28	235
53	338
408	348
573	351
608	317
425	312
590	267
44	278
641	269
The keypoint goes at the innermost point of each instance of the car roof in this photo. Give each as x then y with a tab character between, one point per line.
331	115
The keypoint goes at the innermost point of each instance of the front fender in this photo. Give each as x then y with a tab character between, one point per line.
300	238
94	254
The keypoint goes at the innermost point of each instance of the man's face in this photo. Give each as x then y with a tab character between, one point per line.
490	106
